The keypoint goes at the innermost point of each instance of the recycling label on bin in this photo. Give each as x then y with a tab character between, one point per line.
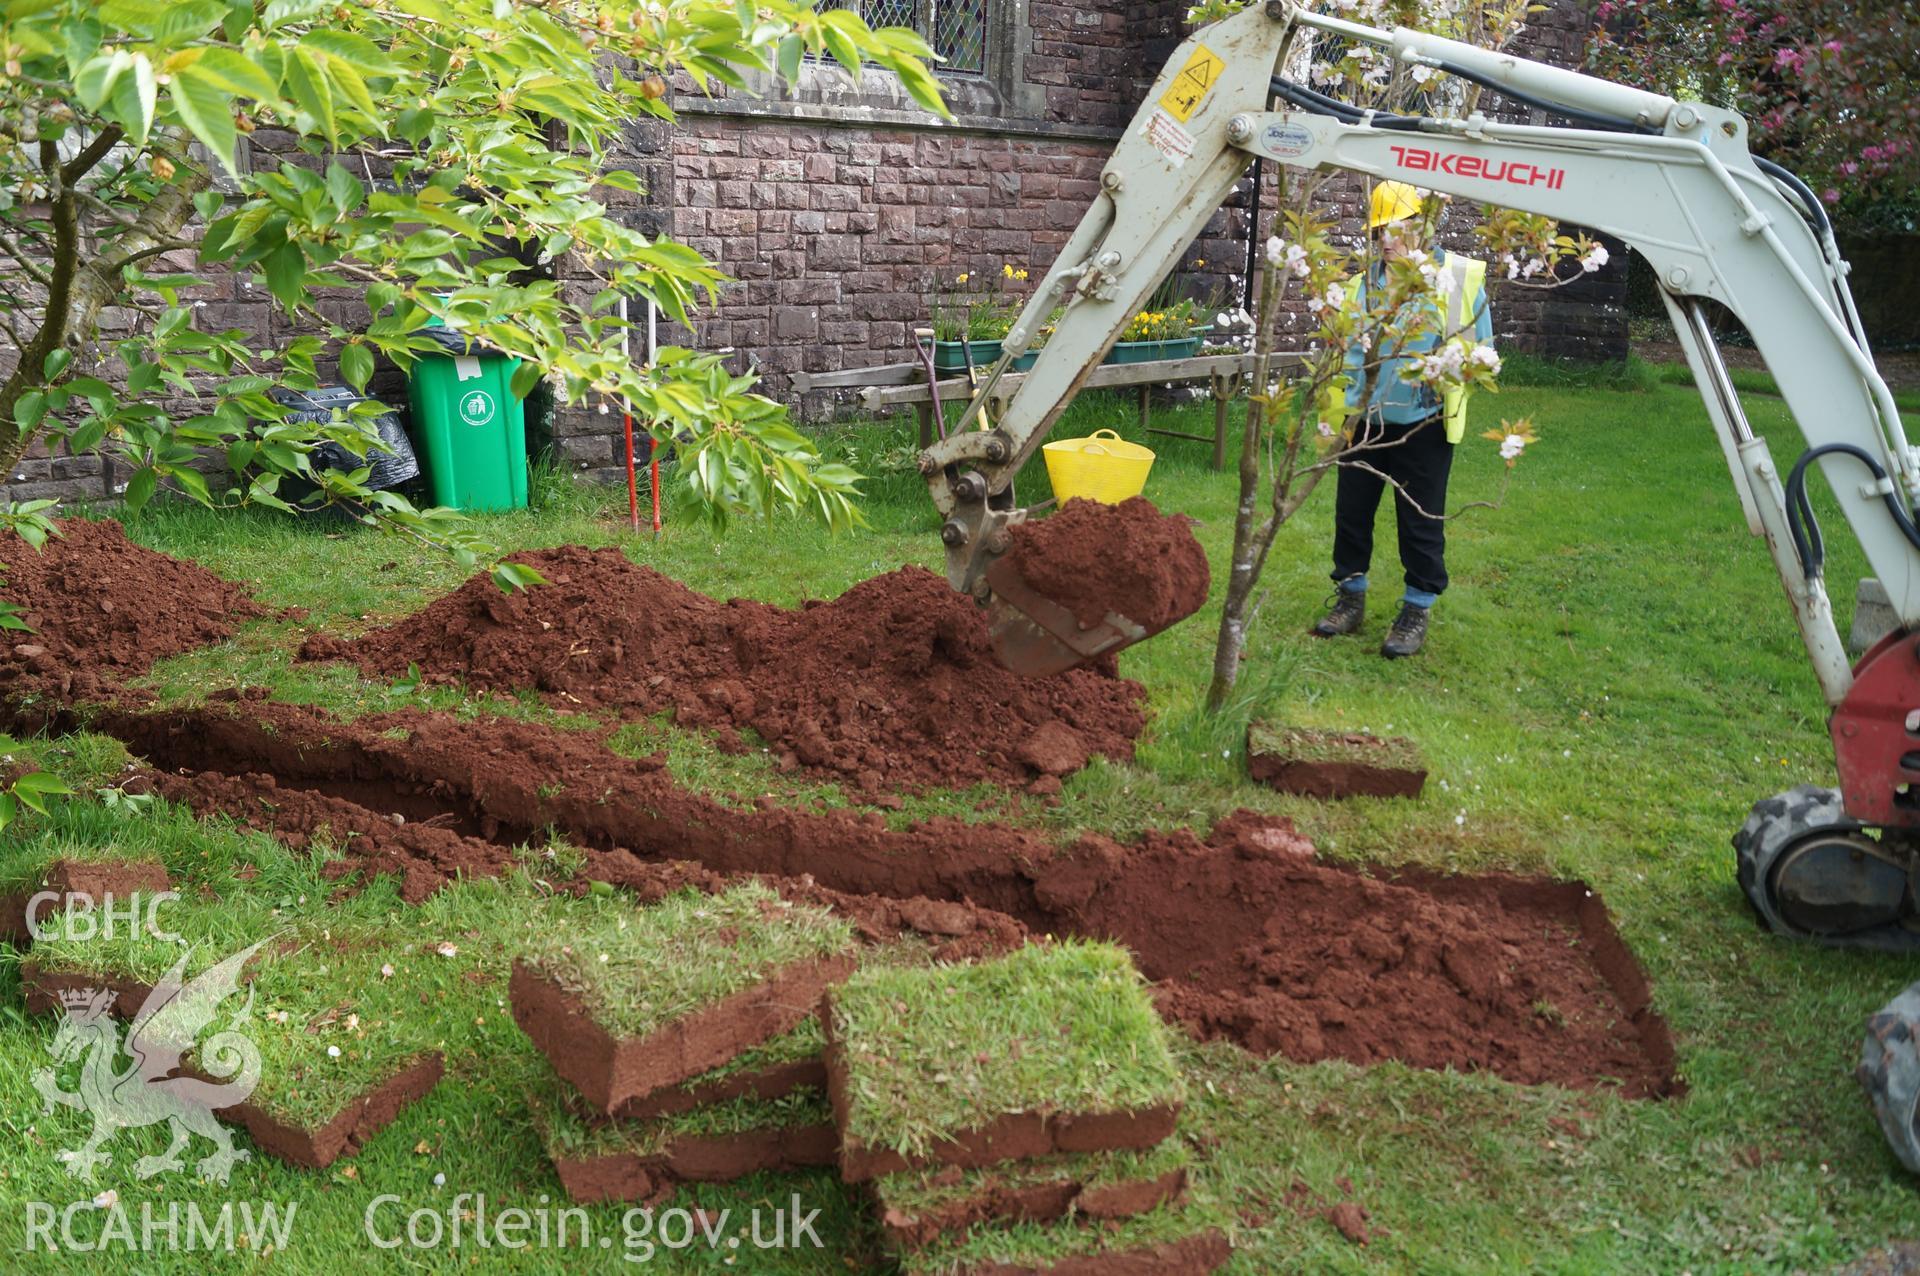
476	407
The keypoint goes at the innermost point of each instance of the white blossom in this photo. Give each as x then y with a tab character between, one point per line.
1331	300
1511	446
1533	267
1276	249
1596	257
1326	430
1486	356
1297	261
1445	363
1421	73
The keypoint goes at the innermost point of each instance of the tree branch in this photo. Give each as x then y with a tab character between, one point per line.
95	151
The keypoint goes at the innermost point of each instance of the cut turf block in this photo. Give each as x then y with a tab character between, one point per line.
1186	1238
293	1131
638	999
917	1206
601	1158
353	1123
1054	1048
1333	764
794	1060
81	884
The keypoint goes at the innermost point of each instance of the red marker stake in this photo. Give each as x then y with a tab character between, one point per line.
633	482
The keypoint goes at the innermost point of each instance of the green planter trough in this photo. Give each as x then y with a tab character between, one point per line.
950	356
1148	351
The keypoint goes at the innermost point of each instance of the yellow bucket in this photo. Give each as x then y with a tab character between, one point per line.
1102	467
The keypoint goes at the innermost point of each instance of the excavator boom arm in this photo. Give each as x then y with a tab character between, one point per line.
1673	180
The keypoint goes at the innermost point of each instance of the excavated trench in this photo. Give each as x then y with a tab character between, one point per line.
1249	936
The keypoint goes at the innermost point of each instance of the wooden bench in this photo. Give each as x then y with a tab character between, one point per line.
892	385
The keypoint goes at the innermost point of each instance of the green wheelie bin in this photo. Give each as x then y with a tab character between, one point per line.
471	430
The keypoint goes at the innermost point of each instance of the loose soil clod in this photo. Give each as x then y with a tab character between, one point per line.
1333	764
890	685
1128	558
103	609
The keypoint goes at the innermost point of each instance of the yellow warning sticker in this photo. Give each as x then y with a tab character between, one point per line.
1191	86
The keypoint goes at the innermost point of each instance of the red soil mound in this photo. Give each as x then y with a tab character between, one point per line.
892	684
1128	558
103	608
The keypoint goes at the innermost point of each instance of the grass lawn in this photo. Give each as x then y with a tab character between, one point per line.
1612	680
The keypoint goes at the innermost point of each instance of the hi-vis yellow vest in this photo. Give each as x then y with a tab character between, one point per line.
1469	287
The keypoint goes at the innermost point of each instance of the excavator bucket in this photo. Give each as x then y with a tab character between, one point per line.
1034	636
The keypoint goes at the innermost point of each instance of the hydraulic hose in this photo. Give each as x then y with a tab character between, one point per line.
1805	528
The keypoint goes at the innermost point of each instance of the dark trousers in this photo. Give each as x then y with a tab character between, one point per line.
1418	458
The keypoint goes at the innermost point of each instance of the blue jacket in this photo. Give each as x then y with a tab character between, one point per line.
1395	401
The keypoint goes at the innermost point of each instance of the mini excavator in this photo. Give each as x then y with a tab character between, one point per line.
1675	181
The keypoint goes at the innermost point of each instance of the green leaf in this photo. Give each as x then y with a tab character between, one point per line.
347	79
56	362
356	365
525	377
185	20
236	73
844	51
286	270
515	576
353	49
344	189
414	123
792	48
307	81
30	410
134	98
192	482
88	436
140	489
94	81
204	106
43	782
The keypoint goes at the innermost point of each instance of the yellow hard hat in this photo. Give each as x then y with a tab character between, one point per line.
1392	202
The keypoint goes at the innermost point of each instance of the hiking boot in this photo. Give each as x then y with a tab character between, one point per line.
1349	609
1408	634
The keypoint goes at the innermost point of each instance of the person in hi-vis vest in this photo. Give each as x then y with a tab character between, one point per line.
1417	429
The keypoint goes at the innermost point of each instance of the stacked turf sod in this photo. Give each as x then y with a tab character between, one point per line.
684	1040
1017	1116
